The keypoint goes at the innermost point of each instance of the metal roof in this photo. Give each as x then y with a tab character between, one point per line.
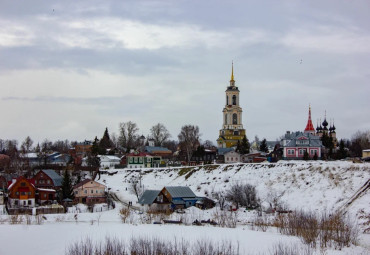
56	178
180	191
148	197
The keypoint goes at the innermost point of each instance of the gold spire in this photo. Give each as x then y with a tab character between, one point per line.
232	71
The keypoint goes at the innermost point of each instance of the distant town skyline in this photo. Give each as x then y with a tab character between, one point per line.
70	69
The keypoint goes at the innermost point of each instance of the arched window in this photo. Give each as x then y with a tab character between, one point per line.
225	119
227	100
235	119
234	100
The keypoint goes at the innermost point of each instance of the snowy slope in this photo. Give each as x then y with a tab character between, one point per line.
313	185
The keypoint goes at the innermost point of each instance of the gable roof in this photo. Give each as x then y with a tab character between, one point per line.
153	149
148	197
222	151
82	183
56	178
180	191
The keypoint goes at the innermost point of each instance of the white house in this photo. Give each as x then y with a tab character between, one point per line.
109	161
232	157
106	161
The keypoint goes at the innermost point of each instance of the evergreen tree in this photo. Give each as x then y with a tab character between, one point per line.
67	189
245	146
105	142
263	146
315	157
342	153
306	156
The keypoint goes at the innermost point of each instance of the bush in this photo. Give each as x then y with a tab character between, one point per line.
328	230
243	195
124	213
146	246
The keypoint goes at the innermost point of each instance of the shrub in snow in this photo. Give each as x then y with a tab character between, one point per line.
124	213
152	245
243	195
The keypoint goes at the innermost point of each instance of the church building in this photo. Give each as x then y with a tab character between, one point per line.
232	130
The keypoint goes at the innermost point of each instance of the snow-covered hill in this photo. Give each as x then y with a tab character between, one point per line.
312	185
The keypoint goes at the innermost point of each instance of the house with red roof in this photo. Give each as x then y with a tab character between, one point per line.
21	193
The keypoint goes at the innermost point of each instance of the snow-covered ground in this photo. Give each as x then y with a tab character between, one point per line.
314	186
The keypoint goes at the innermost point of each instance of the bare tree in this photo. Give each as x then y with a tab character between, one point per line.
221	198
61	146
360	141
136	187
46	146
128	134
189	138
160	134
243	195
114	139
27	144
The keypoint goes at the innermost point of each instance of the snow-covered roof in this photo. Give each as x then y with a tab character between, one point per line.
48	190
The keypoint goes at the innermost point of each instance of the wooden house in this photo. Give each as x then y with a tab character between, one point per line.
48	179
170	197
89	192
21	193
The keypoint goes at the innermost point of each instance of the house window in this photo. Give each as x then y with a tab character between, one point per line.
290	152
227	100
141	160
85	191
48	181
44	195
29	193
313	152
92	191
302	151
16	202
35	181
29	202
76	192
23	193
130	159
96	191
23	184
17	193
135	159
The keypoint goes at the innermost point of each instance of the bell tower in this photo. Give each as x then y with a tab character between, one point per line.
232	128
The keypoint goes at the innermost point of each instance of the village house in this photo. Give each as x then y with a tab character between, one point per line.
163	152
89	192
232	157
48	179
21	193
297	144
142	160
169	198
108	161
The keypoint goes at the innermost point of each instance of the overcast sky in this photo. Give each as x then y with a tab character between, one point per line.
68	69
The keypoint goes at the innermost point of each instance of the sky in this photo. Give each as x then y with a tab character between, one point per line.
69	69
